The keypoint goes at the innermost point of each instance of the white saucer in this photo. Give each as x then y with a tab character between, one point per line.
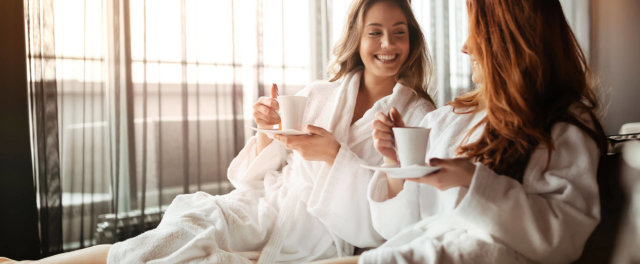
288	132
413	171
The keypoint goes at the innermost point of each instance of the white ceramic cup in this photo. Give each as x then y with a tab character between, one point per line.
292	109
411	145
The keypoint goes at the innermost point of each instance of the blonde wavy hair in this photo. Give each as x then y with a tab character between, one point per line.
416	70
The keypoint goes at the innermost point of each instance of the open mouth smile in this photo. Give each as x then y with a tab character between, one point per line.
386	58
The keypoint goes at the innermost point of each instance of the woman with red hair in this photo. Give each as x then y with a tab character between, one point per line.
518	155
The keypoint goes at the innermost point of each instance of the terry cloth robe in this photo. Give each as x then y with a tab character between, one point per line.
546	219
284	208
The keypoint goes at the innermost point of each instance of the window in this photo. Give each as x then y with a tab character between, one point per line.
154	98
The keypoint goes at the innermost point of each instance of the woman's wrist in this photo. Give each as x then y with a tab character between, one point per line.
264	126
389	162
394	186
332	154
262	141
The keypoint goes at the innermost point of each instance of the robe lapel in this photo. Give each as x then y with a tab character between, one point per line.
361	129
344	106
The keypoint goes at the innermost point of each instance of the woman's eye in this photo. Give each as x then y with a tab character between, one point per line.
374	33
400	32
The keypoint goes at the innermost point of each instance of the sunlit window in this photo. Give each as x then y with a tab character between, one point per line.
194	67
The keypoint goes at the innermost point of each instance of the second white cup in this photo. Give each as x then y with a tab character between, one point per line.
292	109
411	145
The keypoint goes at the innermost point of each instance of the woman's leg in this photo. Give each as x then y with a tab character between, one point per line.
343	260
4	260
95	254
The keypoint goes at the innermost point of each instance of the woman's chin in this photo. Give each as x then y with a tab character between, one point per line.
476	80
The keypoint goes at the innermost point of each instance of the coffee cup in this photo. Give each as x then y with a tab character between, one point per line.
292	109
411	145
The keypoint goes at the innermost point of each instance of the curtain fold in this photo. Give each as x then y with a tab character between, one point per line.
44	121
578	15
134	102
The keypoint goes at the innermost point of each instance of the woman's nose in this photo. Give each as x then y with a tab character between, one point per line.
465	48
387	41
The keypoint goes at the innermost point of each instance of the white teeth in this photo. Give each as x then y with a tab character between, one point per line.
386	57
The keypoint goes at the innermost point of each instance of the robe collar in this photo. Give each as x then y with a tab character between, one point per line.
344	105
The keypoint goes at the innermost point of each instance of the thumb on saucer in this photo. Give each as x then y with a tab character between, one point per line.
316	130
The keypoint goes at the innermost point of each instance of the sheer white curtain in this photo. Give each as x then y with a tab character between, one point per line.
445	25
136	101
578	14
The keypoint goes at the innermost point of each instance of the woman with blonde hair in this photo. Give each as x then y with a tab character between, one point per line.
300	198
518	155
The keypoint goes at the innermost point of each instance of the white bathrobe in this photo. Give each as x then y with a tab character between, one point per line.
283	208
546	219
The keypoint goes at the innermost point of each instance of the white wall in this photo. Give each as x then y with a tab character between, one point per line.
615	57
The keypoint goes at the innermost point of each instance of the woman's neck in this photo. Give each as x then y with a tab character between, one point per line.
376	87
371	90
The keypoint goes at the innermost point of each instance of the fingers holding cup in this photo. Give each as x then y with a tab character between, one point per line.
383	137
264	112
396	117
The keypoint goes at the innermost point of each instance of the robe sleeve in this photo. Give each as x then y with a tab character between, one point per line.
549	217
338	199
390	216
247	170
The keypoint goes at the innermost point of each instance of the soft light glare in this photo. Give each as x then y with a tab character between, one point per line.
631	153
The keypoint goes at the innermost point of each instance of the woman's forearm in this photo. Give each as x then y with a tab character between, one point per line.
95	254
394	185
262	142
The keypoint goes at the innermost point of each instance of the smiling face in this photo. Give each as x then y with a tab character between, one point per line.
384	45
476	69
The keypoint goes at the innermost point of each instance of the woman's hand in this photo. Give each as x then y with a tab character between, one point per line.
320	145
265	115
453	173
383	135
384	143
264	110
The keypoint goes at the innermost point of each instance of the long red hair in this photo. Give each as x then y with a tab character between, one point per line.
533	70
